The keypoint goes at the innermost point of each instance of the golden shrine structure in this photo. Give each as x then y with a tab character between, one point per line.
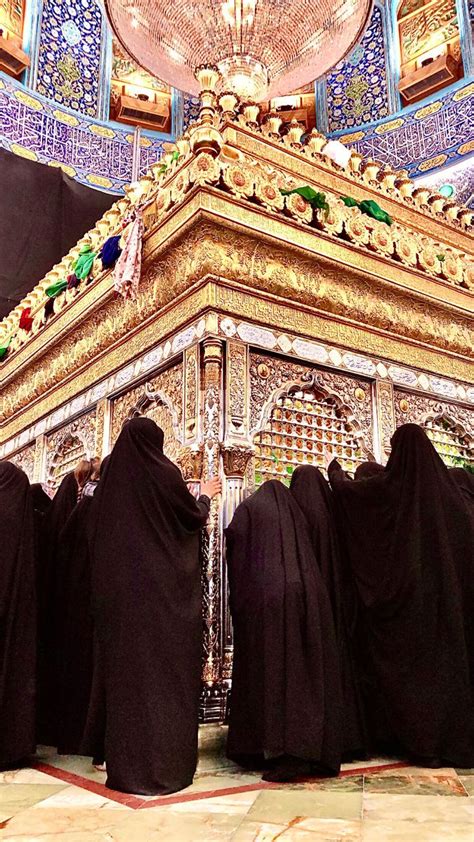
265	330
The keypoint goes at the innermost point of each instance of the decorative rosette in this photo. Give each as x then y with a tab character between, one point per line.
180	185
239	179
269	194
204	169
407	247
381	239
332	220
452	268
356	228
163	201
468	274
429	261
299	207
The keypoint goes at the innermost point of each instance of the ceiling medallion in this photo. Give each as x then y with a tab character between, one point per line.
261	48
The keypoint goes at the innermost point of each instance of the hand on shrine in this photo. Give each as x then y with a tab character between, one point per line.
212	487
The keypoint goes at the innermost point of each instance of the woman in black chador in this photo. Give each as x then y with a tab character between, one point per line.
367	470
286	696
314	496
146	595
410	537
17	617
74	621
61	507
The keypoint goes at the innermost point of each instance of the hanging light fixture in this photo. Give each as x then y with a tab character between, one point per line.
261	48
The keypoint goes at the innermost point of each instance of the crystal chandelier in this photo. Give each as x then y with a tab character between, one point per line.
261	48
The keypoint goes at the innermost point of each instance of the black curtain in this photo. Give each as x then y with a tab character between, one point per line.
43	213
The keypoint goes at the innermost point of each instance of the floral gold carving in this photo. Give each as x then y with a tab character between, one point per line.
67	445
25	459
190	460
235	459
191	393
237	388
386	414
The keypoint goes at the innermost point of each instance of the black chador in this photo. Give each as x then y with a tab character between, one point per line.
61	507
286	694
410	536
314	496
17	617
74	627
146	595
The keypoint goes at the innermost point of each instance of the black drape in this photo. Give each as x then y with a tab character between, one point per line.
61	507
286	695
465	480
314	496
411	541
147	613
17	617
43	213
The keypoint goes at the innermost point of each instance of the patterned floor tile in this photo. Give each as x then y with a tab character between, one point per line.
158	825
415	784
354	783
405	831
468	783
282	806
416	808
36	823
17	797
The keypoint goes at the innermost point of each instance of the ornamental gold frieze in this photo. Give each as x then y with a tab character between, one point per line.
346	295
63	372
253	184
313	167
342	302
268	310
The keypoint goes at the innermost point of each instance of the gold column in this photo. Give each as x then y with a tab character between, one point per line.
211	571
235	459
385	416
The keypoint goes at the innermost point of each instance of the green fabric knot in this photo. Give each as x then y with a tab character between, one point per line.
56	288
315	199
369	207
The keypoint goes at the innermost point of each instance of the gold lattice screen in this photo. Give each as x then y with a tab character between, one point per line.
302	425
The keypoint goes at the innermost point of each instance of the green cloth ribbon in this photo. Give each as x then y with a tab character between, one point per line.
315	199
55	289
83	265
369	207
4	348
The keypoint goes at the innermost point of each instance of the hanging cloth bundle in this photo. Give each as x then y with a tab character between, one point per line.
72	281
26	319
83	265
48	309
369	207
110	252
128	267
4	348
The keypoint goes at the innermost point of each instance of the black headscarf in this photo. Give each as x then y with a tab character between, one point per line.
147	613
368	469
411	541
464	480
61	507
286	696
314	496
17	617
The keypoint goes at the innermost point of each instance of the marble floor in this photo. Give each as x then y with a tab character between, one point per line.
63	799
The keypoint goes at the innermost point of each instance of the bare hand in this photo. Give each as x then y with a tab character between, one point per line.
211	487
328	457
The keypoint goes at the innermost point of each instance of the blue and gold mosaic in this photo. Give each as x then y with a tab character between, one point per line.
356	90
